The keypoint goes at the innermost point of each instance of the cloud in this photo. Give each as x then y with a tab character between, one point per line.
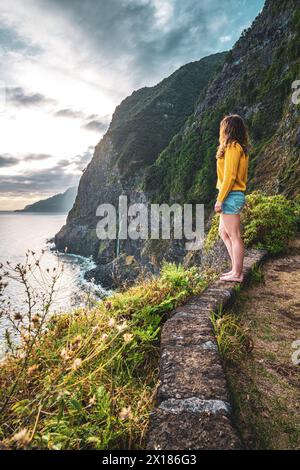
8	160
34	157
63	163
77	59
98	52
69	113
96	125
122	45
62	175
91	122
19	97
12	41
41	181
142	40
225	39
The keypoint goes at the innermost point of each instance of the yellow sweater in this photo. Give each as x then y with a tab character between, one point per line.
232	170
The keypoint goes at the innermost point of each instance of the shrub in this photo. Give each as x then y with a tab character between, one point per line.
213	234
233	340
268	222
297	211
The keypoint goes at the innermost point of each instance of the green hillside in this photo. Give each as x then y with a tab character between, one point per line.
256	82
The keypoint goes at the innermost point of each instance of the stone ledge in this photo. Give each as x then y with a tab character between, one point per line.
192	371
195	405
193	400
186	329
192	424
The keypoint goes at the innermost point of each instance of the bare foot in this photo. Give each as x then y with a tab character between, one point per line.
232	278
227	274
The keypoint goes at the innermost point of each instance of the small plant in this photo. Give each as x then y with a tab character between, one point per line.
233	340
39	285
237	289
26	327
257	275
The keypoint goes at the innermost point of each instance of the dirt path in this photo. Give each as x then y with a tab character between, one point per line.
266	384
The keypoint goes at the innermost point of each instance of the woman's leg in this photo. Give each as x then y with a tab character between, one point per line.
231	223
224	236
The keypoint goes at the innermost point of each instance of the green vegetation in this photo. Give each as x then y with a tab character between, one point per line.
268	222
257	275
89	380
261	91
263	381
265	419
213	234
234	342
145	122
185	170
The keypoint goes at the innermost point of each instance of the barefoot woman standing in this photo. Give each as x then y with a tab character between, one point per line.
232	170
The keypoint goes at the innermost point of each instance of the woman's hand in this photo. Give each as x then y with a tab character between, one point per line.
218	206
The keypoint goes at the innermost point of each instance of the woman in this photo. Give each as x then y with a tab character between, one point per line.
232	170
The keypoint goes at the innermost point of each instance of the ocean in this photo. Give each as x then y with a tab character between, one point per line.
21	231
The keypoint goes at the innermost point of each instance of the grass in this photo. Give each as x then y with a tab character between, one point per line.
257	275
234	341
264	418
262	380
91	377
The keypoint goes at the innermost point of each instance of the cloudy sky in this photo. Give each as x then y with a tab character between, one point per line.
66	64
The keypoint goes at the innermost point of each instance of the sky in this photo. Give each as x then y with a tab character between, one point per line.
66	64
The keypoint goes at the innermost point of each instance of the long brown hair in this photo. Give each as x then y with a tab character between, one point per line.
233	129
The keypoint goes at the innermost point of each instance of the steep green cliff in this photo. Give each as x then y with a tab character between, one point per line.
141	127
161	143
256	82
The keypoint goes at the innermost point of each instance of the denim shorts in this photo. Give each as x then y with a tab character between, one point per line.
234	202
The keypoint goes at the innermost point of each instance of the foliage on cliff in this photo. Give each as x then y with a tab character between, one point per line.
141	127
267	222
255	82
162	140
144	123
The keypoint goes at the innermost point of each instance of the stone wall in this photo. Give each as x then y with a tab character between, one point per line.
193	403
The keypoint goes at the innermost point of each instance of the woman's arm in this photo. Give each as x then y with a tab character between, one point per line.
232	160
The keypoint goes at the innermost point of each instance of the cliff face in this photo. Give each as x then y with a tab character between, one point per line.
161	143
255	82
141	127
